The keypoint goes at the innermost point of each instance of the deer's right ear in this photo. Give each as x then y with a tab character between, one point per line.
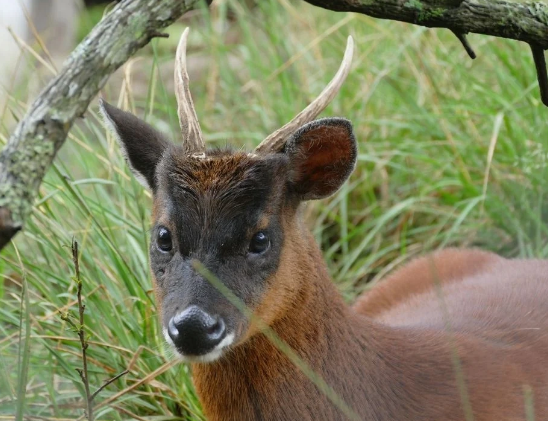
142	145
322	155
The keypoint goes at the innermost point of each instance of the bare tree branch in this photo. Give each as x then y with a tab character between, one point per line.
542	73
39	135
525	21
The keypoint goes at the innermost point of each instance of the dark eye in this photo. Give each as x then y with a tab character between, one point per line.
163	239
259	243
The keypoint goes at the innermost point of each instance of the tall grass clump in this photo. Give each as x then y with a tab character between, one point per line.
453	152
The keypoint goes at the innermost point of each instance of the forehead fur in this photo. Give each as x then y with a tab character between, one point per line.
216	172
231	180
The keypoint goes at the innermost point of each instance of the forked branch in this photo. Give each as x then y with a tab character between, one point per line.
525	21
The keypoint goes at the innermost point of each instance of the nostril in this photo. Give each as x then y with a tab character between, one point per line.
217	328
172	330
195	332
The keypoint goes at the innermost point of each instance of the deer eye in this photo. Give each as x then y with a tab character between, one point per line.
259	243
163	239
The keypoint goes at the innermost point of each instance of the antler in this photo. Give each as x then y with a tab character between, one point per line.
190	127
276	140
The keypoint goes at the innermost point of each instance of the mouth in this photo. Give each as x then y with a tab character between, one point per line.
212	355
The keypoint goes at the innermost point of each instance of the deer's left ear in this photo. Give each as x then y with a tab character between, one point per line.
322	156
141	144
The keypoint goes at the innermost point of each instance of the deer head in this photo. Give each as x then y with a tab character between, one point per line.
236	213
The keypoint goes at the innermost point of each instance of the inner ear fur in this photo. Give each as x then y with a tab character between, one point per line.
142	145
322	156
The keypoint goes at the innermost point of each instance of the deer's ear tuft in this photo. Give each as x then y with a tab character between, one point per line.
322	156
141	144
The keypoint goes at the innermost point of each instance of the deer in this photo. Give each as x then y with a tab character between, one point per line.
457	334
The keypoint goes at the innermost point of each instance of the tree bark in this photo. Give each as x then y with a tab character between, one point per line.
522	21
525	21
40	134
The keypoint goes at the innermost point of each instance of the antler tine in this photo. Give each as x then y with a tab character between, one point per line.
276	140
190	127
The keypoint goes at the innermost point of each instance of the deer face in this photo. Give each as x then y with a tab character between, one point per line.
231	216
224	213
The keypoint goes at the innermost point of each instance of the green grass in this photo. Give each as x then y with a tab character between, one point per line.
425	116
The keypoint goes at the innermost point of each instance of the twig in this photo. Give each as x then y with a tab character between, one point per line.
542	76
82	333
80	330
464	41
160	370
83	372
112	380
158	34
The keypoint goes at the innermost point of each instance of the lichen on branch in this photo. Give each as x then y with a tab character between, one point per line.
40	134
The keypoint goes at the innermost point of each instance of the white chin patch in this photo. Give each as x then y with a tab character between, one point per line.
211	356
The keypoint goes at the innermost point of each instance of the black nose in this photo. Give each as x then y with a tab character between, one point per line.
194	332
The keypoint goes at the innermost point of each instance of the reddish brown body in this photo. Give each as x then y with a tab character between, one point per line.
459	334
398	362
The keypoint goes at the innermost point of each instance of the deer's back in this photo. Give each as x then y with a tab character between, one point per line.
488	296
492	311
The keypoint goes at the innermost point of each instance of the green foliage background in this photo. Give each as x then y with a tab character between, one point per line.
453	152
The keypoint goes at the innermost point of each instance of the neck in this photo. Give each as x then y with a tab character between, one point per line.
258	381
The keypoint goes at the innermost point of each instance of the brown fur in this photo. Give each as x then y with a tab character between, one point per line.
400	352
421	275
221	173
283	293
404	371
458	334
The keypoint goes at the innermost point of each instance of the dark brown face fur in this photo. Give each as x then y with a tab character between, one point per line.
213	207
210	215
